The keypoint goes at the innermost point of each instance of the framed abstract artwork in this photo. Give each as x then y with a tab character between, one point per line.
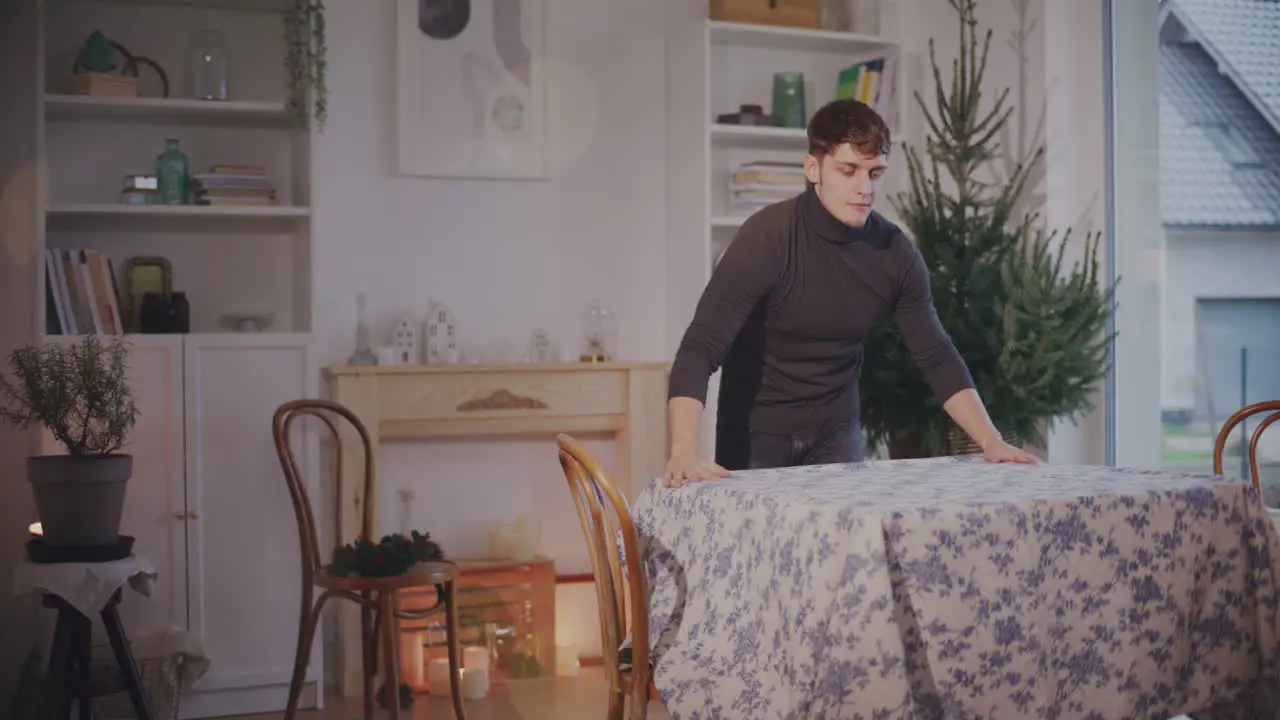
471	89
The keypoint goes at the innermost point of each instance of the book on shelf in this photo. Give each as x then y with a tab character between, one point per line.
229	185
81	294
872	82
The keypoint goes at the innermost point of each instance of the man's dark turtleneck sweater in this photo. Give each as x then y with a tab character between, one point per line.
792	298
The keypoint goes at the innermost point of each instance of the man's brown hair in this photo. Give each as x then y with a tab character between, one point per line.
848	121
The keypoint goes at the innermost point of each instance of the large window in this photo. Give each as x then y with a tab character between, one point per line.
1203	269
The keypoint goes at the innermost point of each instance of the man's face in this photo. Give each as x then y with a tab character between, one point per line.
847	182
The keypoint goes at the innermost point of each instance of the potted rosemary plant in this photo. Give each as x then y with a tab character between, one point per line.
79	394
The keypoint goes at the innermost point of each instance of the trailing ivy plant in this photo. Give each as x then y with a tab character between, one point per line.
305	53
80	393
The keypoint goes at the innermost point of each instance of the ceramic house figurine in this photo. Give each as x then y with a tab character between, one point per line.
440	331
405	341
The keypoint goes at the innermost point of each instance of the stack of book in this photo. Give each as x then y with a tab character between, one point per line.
755	185
233	185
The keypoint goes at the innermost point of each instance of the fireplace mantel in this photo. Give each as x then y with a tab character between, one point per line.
412	402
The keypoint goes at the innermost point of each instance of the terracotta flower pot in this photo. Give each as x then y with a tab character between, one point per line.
80	499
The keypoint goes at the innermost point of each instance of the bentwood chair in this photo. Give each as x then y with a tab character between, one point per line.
604	513
1220	445
375	595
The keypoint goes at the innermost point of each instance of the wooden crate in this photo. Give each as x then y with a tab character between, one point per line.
791	13
518	597
102	85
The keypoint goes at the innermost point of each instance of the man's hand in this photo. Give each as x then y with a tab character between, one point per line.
684	468
999	451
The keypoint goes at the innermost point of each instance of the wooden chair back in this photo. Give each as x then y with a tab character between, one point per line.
1220	445
605	514
330	413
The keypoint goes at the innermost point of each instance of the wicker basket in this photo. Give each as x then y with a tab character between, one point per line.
161	683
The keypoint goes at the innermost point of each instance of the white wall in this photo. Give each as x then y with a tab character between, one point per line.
1076	178
512	256
19	221
1207	264
508	257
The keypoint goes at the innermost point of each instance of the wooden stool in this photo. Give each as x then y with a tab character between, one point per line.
69	659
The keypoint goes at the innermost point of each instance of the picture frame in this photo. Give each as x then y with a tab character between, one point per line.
471	89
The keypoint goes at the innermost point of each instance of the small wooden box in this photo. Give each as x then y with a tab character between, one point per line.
791	13
102	85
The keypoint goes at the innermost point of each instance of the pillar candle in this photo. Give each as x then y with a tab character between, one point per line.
412	662
438	676
566	660
475	683
475	657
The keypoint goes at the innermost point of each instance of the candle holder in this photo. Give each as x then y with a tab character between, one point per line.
38	551
601	335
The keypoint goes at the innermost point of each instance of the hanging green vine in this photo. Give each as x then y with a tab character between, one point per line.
305	52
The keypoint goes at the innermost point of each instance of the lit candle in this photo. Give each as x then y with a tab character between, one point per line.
475	683
566	660
412	662
475	657
36	529
438	676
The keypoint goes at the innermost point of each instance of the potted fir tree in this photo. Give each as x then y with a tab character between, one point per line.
78	393
1033	333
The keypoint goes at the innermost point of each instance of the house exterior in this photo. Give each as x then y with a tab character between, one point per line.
1220	207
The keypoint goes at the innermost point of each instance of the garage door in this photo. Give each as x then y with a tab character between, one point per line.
1225	327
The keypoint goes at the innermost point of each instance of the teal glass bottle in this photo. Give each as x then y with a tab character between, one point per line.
172	174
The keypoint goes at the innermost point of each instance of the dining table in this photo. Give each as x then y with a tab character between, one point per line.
957	588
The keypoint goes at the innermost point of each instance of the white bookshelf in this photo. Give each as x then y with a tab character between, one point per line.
713	68
227	259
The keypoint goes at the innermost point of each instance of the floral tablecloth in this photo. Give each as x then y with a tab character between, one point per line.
953	588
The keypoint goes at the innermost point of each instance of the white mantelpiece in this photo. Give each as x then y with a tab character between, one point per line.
627	400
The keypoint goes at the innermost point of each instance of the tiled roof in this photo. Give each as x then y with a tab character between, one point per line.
1206	123
1244	36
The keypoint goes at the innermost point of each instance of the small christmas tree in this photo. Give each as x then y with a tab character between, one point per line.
1034	337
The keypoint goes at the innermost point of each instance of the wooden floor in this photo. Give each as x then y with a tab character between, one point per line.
579	698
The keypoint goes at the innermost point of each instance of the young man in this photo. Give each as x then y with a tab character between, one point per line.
787	308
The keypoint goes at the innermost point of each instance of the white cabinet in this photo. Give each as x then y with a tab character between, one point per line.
208	505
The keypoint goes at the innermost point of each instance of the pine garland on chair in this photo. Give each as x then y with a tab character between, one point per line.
393	555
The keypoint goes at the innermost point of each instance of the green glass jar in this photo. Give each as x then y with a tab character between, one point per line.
788	99
173	175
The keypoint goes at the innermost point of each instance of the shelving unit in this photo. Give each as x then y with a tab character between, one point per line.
205	466
90	143
713	68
